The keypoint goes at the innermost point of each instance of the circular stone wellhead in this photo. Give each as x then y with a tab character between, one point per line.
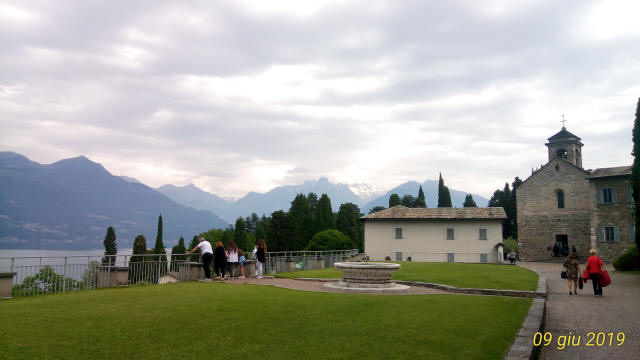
367	277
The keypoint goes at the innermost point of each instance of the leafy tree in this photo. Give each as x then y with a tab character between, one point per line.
176	254
46	280
444	197
194	242
227	234
279	231
90	275
329	239
349	224
408	201
394	200
419	202
240	234
635	173
301	223
261	233
324	218
468	201
375	209
110	247
251	222
139	248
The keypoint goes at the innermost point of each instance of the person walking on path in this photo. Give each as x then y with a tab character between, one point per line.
512	257
232	258
573	271
594	267
260	253
207	255
219	260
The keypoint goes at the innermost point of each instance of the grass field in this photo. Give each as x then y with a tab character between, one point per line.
226	321
487	276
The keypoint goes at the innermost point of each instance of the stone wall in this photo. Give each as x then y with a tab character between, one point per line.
540	219
617	214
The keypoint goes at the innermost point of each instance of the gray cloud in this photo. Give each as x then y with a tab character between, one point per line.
238	99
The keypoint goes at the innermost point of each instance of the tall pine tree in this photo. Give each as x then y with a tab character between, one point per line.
635	173
323	218
110	247
444	197
419	202
469	202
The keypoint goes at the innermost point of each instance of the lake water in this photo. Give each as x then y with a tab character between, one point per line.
55	257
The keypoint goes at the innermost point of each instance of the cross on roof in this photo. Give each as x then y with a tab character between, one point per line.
563	120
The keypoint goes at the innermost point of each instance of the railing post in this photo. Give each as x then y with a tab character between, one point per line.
64	277
109	273
12	263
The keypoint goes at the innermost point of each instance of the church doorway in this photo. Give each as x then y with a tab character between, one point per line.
562	241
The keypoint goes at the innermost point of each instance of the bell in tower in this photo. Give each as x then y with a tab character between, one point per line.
566	146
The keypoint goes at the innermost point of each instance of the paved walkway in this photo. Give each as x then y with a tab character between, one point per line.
618	310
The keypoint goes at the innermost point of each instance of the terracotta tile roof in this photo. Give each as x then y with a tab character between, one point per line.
614	171
402	212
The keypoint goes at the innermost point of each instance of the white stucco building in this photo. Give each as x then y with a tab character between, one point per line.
438	235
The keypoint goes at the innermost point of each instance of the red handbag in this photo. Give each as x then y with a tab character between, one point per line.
604	278
585	275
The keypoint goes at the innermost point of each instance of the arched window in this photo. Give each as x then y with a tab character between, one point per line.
560	195
562	154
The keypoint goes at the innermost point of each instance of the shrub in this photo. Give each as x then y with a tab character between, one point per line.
510	244
629	260
329	239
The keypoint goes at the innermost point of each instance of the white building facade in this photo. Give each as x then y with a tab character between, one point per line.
468	235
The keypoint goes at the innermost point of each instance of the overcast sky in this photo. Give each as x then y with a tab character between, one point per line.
245	96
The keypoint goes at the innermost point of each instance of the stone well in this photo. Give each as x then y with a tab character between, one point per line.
367	277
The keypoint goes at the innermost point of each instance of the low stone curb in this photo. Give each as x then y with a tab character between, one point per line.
473	291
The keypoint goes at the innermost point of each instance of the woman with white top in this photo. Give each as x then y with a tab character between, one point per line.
232	258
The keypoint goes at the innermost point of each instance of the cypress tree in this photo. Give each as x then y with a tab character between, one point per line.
469	202
419	202
110	247
324	215
194	242
394	200
635	173
444	197
137	268
159	246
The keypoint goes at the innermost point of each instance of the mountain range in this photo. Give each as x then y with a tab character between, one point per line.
70	203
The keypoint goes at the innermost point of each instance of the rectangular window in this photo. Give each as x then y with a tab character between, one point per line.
632	233
483	258
483	234
606	196
560	195
609	234
450	257
449	234
398	256
398	233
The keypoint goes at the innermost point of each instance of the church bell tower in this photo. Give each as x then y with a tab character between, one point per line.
564	145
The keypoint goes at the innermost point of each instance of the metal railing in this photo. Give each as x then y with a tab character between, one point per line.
44	275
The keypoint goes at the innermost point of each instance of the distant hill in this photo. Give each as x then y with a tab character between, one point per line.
430	188
69	205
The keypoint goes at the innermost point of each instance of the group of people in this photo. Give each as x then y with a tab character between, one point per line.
231	257
594	269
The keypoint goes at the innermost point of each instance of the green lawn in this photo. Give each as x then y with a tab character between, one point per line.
486	276
225	321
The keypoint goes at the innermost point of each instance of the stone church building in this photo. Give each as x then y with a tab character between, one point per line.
562	203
